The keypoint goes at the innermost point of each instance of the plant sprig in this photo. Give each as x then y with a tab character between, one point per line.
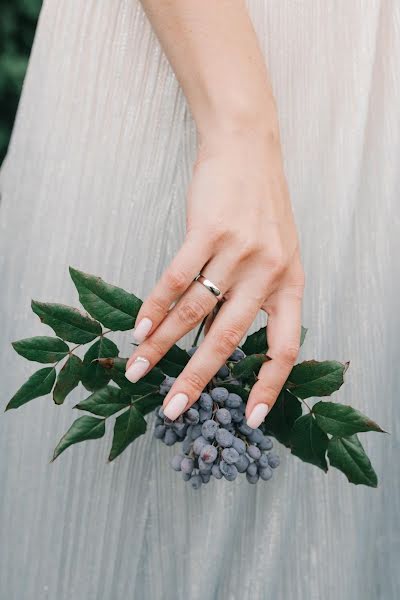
325	435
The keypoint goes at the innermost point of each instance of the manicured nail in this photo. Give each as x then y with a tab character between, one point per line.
137	369
142	329
257	415
176	406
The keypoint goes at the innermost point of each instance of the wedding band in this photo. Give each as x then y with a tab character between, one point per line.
209	285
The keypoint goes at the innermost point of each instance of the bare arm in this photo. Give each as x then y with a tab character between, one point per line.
240	228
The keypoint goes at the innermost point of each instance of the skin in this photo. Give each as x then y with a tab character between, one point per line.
240	232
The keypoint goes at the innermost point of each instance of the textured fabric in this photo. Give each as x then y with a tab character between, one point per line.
95	177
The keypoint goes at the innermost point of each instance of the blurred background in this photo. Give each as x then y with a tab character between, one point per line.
18	20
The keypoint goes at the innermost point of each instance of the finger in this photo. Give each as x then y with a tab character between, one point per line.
229	326
189	311
174	281
283	333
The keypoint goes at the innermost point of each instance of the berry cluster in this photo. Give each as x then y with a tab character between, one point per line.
216	441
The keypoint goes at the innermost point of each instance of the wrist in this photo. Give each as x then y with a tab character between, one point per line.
249	124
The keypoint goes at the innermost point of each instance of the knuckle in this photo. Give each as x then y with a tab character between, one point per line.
194	382
248	248
156	347
190	312
228	340
288	354
176	280
156	306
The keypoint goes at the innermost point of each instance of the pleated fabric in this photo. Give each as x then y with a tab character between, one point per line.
96	177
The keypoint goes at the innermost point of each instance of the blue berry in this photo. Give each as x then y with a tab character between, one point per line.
219	394
204	467
245	429
266	443
223	372
192	350
273	460
186	476
198	444
223	416
236	415
195	432
196	481
179	427
209	429
161	413
204	415
252	469
230	427
263	461
256	436
166	385
228	471
159	431
242	463
176	462
186	445
208	453
170	437
237	355
239	445
252	478
205	401
187	465
233	400
224	438
205	477
254	452
191	416
216	472
265	473
230	455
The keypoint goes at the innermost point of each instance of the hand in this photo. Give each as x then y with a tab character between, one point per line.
241	235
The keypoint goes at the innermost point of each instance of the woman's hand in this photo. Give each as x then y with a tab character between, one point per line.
241	235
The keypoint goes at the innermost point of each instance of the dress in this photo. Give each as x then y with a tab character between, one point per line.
95	177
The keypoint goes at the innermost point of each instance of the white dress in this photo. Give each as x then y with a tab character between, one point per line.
95	177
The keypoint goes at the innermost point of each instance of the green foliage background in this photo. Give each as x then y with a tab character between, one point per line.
18	20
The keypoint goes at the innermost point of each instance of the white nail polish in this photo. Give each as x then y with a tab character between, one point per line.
176	406
257	415
142	329
137	369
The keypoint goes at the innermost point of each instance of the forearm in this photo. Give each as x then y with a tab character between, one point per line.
214	51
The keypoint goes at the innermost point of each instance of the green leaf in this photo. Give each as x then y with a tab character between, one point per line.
282	416
94	376
38	384
84	428
105	401
173	362
67	379
69	323
148	383
313	378
309	442
43	349
348	455
146	403
256	342
111	305
248	367
127	428
341	419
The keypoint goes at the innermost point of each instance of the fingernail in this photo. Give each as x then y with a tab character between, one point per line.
142	329
137	369
257	415
176	406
